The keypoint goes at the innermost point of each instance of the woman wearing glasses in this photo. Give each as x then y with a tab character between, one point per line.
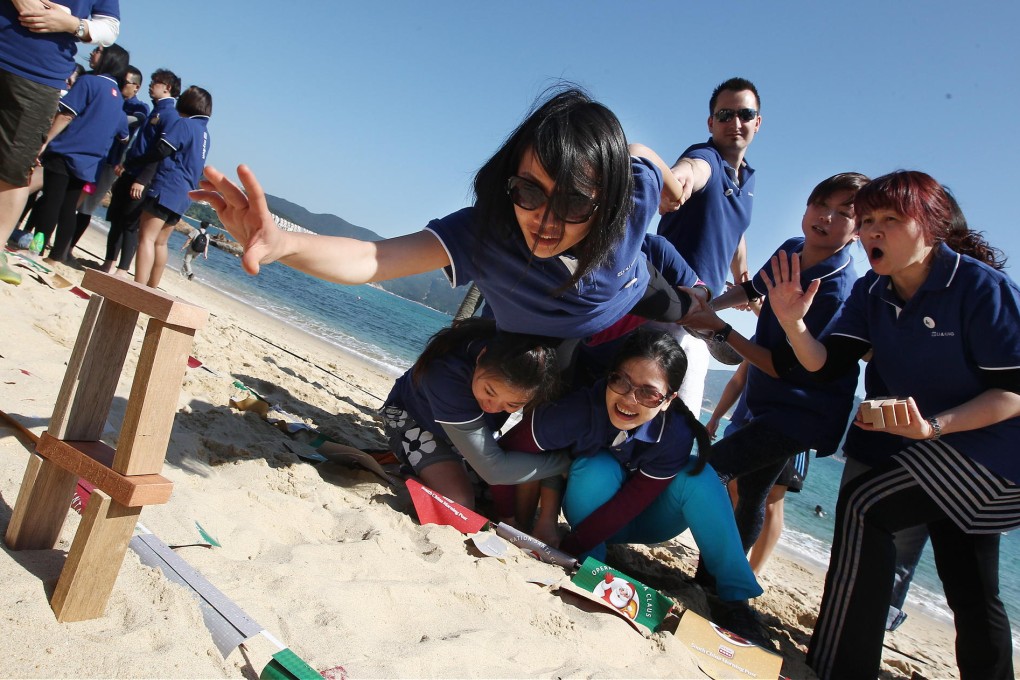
634	479
553	240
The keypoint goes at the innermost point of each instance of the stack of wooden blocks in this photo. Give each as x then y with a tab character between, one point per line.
881	413
125	479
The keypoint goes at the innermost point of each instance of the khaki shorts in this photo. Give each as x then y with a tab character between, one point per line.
26	113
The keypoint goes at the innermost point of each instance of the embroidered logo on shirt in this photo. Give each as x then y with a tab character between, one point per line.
928	321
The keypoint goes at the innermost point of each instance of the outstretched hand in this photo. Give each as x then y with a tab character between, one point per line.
245	214
790	301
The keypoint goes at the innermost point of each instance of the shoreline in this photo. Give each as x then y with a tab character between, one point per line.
321	554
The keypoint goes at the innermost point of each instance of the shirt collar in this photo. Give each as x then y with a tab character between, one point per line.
743	163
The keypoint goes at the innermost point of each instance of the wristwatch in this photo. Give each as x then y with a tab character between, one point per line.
936	428
722	334
80	33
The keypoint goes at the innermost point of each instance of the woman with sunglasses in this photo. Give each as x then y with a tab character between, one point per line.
943	325
634	479
553	240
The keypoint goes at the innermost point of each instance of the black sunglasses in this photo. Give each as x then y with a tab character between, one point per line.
572	208
726	115
649	397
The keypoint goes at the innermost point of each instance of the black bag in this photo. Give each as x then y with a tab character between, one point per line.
199	243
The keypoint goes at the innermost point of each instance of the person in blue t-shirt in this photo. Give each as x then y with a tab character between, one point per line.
718	194
942	322
446	409
38	42
91	116
174	168
136	112
124	211
790	411
553	240
634	478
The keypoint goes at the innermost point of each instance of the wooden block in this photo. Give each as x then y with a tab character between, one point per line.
148	301
43	502
889	412
91	461
900	410
871	413
145	433
90	382
94	560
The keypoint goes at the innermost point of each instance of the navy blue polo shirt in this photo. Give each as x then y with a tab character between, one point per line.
797	405
444	393
580	421
664	257
132	107
520	287
98	109
164	112
45	58
964	320
180	172
708	227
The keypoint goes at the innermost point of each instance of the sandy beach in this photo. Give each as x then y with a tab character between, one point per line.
328	559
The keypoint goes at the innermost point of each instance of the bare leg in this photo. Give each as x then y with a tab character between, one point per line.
149	230
12	202
770	531
450	479
160	256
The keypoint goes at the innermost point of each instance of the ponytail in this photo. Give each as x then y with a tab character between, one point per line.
525	362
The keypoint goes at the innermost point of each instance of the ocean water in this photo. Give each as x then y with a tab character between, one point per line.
390	332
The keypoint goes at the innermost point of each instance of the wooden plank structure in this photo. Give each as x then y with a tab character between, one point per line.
126	478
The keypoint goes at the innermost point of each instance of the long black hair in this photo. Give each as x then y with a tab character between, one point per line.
114	62
525	362
664	350
581	145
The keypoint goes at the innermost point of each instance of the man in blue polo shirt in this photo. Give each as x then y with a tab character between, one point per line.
37	46
708	229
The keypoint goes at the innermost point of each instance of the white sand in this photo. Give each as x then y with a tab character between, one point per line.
327	559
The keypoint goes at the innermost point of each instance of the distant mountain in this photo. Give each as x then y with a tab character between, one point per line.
328	224
431	289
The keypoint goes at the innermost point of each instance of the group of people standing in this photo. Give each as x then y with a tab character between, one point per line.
596	330
583	330
75	144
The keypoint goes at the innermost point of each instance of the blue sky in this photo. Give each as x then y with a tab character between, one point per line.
381	112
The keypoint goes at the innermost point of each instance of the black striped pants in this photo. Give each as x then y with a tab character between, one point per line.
931	484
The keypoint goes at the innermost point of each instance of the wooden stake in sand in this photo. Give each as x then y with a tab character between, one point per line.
127	478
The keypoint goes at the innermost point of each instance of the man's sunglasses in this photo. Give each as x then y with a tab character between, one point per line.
726	115
573	208
649	397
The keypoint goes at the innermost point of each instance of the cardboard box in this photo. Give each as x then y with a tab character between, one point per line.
721	654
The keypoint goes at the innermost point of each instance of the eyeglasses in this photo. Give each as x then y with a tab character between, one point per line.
573	208
726	115
649	397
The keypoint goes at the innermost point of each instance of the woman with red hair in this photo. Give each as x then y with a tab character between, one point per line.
943	322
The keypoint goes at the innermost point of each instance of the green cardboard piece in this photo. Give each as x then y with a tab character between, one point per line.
631	599
286	665
209	539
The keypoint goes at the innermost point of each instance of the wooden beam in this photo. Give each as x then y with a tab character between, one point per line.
148	301
149	418
41	509
91	460
94	560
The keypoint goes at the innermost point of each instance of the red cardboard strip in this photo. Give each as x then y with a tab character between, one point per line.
434	508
